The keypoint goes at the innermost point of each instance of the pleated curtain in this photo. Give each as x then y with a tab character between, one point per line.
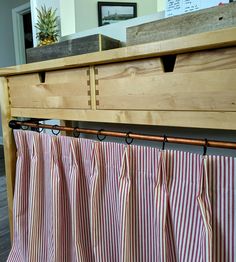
82	200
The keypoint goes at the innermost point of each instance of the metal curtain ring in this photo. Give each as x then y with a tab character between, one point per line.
76	133
205	147
24	128
164	142
128	137
53	130
38	129
98	135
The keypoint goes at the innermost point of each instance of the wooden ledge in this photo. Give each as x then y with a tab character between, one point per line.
202	41
190	119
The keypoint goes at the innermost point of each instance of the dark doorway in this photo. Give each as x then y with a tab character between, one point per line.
27	23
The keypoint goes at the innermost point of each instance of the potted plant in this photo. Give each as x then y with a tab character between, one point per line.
47	26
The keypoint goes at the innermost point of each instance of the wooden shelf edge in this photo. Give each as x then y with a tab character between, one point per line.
190	119
207	40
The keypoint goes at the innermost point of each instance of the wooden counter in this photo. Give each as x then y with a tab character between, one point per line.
183	82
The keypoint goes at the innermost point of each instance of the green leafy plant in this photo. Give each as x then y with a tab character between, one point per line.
47	25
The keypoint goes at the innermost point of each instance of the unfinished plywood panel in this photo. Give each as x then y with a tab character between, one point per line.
215	59
55	89
191	23
126	87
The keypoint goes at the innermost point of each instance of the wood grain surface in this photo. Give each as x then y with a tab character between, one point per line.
215	59
140	86
195	119
191	43
9	147
205	20
61	89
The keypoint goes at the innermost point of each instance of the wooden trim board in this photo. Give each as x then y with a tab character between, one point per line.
202	41
210	120
9	147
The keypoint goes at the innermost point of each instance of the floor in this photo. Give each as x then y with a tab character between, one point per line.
5	243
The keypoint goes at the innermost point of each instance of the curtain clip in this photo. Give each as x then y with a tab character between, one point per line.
55	127
99	137
76	133
164	142
38	128
127	139
205	147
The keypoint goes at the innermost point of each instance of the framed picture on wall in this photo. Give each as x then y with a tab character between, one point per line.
113	12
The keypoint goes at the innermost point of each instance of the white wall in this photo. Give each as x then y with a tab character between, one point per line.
87	15
117	30
7	51
161	5
67	17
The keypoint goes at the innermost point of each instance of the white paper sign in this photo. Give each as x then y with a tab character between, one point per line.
191	5
177	7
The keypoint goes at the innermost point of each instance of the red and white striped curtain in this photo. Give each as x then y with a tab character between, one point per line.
81	200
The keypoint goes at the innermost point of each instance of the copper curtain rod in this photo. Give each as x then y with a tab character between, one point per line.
76	131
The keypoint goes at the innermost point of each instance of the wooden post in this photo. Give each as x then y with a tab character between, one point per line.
9	147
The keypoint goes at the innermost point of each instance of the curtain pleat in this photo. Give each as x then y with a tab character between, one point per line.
36	201
189	223
222	172
138	179
81	200
20	210
80	176
106	221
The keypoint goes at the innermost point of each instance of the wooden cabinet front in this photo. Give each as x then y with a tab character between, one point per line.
54	89
142	85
